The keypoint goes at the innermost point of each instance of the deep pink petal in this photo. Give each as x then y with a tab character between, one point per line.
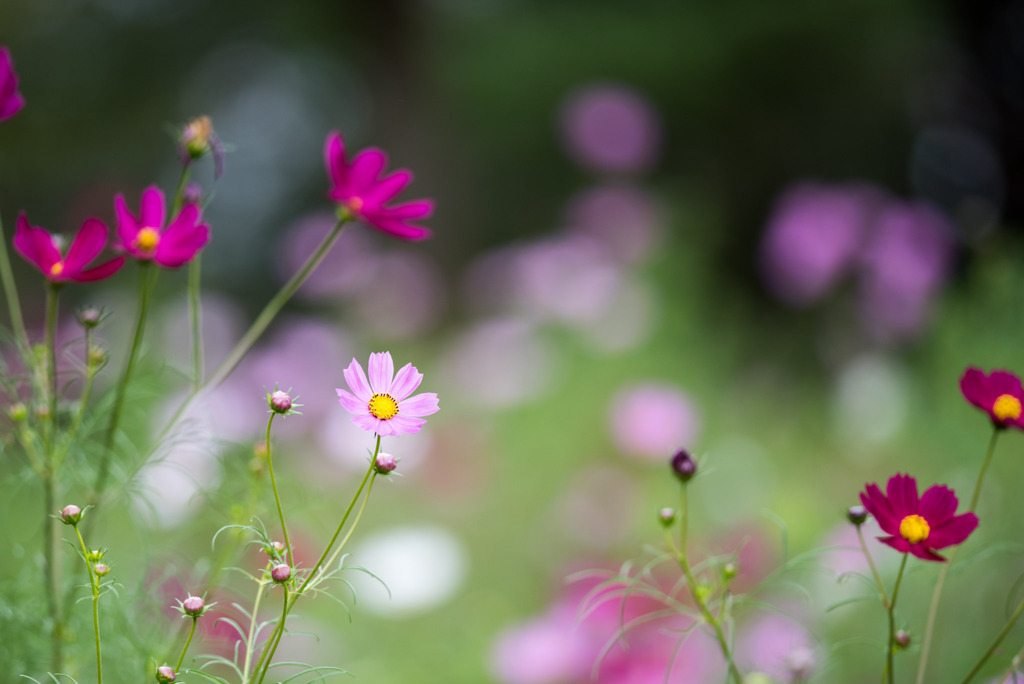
356	379
955	531
896	542
25	244
7	75
405	425
151	210
419	405
416	209
878	506
400	229
176	253
925	553
11	106
104	270
388	187
334	159
938	505
366	166
902	492
127	226
381	370
406	381
974	388
351	403
1003	382
87	245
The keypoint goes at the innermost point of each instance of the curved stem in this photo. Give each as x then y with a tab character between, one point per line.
891	607
871	564
188	641
933	609
995	644
277	497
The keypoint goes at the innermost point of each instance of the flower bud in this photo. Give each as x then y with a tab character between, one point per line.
17	412
196	136
729	570
667	516
385	463
902	639
43	412
95	555
70	514
101	570
165	675
193	194
857	515
281	573
683	465
193	606
89	317
97	356
280	402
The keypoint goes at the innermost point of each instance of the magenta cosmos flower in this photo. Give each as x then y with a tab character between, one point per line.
918	525
383	404
147	239
40	249
11	100
1000	395
363	194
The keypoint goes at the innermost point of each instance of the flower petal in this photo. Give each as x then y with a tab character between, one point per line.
896	542
367	422
879	506
366	166
419	405
151	208
410	210
183	249
388	187
40	253
902	492
381	369
938	505
398	228
127	226
351	403
334	159
104	270
406	381
1003	382
974	388
87	245
404	425
356	379
955	531
925	553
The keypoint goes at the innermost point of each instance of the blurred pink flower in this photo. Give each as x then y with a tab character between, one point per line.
147	239
610	128
545	650
576	268
361	193
383	404
778	646
406	299
652	421
40	249
625	220
11	101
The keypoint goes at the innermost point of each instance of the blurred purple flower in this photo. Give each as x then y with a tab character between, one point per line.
778	646
610	128
906	259
813	237
652	421
570	279
627	221
545	650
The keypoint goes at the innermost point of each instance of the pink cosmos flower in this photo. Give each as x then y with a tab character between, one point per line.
40	249
147	239
383	404
918	525
999	394
11	100
363	194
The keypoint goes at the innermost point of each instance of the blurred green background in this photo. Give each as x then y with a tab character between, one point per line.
605	174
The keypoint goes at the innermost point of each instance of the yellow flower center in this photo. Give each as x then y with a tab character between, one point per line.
355	204
1007	407
383	406
57	268
914	529
147	239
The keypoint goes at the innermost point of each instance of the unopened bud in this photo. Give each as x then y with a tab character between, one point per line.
280	402
385	463
70	514
667	516
89	317
193	606
95	555
43	412
902	639
193	194
857	515
683	465
196	136
165	674
274	548
97	356
281	573
17	412
101	570
729	570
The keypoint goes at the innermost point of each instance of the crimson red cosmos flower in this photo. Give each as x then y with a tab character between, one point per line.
146	238
918	526
999	394
11	100
360	191
40	249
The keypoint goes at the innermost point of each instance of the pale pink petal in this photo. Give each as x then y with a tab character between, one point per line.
382	371
366	166
419	405
406	381
151	209
356	379
367	422
351	403
86	246
404	425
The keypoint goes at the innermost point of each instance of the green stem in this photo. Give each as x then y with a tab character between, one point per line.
51	356
252	633
891	607
1014	663
684	564
95	584
195	313
933	609
83	401
276	637
995	644
277	497
147	280
355	523
188	641
11	290
50	574
871	564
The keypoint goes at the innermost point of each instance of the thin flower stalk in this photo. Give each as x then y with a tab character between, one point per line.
995	644
890	648
277	496
874	569
250	642
184	650
933	609
11	290
50	556
94	583
51	359
91	369
194	287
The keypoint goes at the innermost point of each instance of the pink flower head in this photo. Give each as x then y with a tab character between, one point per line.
11	100
1000	395
40	249
383	404
147	239
362	193
918	525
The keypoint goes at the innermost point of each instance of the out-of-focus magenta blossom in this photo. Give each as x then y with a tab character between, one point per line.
776	645
40	249
362	192
146	238
652	420
905	260
610	128
383	404
918	525
11	101
813	237
999	394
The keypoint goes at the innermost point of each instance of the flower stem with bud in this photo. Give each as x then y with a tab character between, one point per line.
891	645
277	497
94	583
